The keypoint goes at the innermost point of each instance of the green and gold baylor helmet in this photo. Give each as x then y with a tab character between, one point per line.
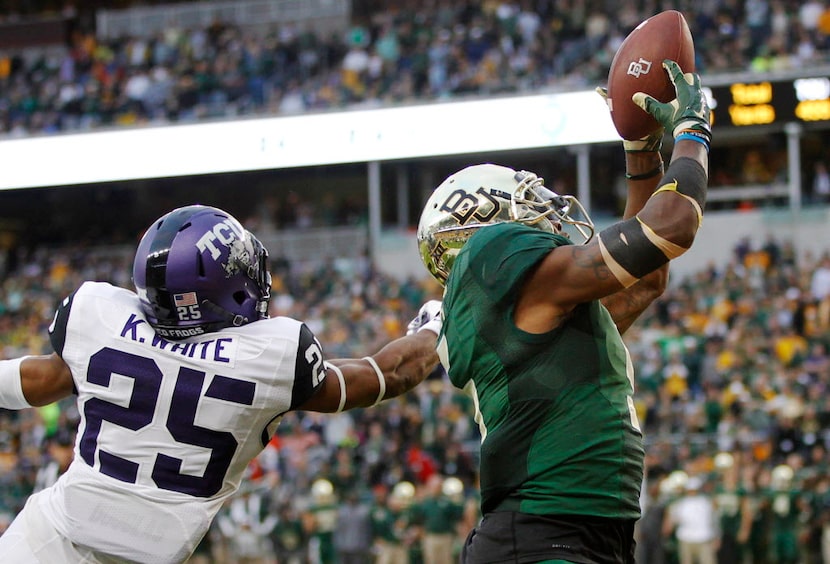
486	194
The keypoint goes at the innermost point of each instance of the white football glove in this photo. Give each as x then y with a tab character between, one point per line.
429	317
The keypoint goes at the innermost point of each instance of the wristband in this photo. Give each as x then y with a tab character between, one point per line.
11	386
381	379
342	382
691	136
646	175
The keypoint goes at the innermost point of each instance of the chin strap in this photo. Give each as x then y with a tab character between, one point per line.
230	319
176	332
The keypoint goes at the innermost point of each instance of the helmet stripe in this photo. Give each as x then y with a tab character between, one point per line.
156	271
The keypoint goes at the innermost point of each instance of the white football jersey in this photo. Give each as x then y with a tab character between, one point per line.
167	428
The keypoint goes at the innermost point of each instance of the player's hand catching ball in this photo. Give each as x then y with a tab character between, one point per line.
687	116
651	143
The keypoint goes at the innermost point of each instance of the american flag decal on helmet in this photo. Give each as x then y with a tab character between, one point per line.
187	299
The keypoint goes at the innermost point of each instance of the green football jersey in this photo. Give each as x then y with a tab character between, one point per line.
559	430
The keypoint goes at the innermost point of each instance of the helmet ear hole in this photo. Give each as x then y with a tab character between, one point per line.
239	297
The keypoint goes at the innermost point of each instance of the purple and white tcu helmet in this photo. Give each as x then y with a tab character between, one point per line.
197	270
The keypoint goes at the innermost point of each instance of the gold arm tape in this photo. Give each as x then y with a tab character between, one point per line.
342	382
672	187
671	250
625	278
381	379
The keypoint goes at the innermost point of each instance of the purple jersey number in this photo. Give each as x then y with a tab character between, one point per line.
138	414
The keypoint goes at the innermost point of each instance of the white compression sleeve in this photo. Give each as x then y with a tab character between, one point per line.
11	387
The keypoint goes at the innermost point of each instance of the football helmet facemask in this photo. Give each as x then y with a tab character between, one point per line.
486	194
197	270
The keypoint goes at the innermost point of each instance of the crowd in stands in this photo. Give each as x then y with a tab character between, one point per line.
402	52
731	360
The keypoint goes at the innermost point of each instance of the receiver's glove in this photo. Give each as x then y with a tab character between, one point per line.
651	143
687	116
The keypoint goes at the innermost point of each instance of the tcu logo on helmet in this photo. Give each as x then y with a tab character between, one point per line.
231	235
224	232
464	207
636	68
237	256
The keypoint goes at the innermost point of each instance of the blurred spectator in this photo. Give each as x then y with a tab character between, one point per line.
820	280
246	525
676	376
755	169
785	521
320	522
731	505
821	182
650	540
288	537
353	531
59	454
438	513
391	527
693	520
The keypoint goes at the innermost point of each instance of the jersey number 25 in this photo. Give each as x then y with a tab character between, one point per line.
180	422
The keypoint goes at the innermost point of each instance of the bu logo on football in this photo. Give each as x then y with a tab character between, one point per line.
636	68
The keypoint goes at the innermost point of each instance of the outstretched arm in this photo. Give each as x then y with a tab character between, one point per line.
644	169
394	370
34	381
631	249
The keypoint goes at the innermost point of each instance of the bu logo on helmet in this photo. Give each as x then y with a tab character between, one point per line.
464	207
637	68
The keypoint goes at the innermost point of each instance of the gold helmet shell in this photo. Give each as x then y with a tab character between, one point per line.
486	194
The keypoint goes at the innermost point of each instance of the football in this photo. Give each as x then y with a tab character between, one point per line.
638	67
